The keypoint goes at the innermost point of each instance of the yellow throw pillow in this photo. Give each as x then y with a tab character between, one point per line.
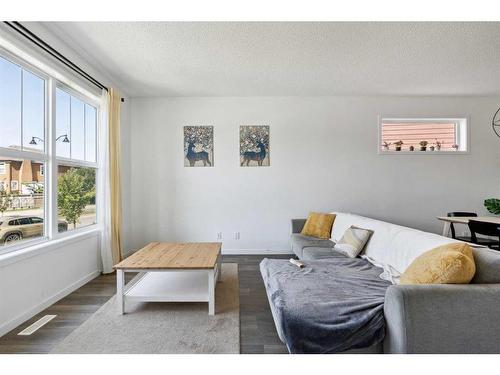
448	264
318	225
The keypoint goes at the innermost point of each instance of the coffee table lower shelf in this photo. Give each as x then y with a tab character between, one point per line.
168	285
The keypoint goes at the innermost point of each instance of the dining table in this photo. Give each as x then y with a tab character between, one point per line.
448	220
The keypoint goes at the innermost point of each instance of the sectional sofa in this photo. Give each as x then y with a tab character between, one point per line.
418	318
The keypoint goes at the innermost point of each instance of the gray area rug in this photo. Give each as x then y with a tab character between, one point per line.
163	327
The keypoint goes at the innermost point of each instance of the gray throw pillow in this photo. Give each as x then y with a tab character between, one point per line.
353	241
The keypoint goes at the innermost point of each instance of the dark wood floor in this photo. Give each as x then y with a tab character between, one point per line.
257	331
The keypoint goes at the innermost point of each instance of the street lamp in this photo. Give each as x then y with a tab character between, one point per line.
64	137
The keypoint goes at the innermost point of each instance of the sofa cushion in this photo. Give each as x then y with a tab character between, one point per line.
487	266
299	242
318	225
314	253
390	245
447	264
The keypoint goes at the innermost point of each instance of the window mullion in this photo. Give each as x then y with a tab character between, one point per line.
51	175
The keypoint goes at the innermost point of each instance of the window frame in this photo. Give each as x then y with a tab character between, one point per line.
48	156
461	122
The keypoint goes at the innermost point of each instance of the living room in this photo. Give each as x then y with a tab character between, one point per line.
249	185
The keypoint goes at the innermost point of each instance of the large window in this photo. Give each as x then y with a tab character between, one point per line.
421	135
41	194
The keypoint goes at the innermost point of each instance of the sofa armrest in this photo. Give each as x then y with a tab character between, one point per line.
442	318
297	225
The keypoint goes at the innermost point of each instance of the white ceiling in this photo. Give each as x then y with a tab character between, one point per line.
289	59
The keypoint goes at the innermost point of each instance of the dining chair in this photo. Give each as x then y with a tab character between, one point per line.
487	229
460	214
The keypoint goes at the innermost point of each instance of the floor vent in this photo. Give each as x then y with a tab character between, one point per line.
36	326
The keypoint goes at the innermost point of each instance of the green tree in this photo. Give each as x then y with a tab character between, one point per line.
89	181
72	195
5	201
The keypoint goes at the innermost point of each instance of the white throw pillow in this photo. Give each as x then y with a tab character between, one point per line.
353	241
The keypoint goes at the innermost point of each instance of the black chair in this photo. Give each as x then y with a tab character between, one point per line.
460	214
487	229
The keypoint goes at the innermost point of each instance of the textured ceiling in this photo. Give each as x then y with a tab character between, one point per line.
278	58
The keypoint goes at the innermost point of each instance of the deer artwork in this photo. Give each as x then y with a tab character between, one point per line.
193	156
259	157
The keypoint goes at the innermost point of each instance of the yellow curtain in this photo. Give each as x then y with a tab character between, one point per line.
115	174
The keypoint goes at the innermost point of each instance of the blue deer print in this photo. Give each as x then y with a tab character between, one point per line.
259	157
193	156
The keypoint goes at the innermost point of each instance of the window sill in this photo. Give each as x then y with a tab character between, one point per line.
423	152
46	245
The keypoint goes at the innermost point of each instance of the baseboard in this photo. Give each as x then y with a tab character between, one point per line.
254	252
13	323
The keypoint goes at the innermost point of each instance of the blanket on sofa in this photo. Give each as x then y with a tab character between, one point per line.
329	306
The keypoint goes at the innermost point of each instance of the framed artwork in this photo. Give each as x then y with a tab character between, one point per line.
198	146
254	146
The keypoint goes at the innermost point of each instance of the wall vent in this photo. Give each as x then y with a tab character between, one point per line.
36	326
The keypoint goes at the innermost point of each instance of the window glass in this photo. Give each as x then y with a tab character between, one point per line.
10	104
90	133
77	137
63	121
24	221
76	197
33	118
423	135
22	196
36	220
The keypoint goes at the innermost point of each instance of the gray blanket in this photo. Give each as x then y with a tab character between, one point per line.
328	306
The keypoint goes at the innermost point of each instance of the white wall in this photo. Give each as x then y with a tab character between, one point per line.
31	282
323	158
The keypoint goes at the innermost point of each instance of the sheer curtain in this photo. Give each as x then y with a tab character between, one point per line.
110	180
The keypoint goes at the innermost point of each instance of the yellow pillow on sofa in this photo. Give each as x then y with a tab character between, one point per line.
448	264
318	225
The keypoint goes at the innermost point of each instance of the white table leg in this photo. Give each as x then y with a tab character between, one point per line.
219	267
446	228
120	285
211	292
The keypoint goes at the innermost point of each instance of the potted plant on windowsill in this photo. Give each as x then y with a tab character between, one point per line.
438	145
423	145
398	145
455	147
385	146
412	148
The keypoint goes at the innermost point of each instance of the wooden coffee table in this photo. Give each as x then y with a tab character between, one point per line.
171	272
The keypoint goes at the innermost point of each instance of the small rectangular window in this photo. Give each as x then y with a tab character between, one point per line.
14	185
2	168
421	135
